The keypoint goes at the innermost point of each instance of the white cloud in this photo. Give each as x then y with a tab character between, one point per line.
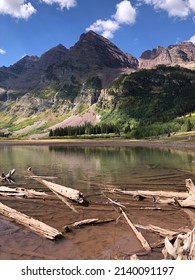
192	39
192	5
2	51
62	3
17	8
125	14
174	8
105	27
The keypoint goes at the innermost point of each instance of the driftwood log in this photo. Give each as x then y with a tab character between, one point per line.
182	249
70	193
190	186
8	176
183	199
190	200
61	191
138	234
29	222
142	193
86	222
161	231
21	192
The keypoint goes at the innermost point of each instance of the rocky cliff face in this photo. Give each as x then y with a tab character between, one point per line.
70	82
91	55
180	54
96	51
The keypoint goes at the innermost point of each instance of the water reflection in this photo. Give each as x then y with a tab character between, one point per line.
85	168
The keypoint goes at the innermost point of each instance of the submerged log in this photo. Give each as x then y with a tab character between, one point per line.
181	195
21	192
66	201
114	202
86	222
161	231
63	191
70	193
29	222
138	234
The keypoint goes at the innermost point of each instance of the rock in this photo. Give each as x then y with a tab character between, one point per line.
180	54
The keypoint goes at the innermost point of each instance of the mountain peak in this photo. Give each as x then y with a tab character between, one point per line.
94	49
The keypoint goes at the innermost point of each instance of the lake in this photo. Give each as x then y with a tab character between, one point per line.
83	166
91	170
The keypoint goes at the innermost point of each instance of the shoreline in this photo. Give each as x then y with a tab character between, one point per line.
100	143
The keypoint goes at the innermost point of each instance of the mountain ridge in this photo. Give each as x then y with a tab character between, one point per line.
74	83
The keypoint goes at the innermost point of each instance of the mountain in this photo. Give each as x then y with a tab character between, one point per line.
91	54
96	51
95	82
151	102
182	54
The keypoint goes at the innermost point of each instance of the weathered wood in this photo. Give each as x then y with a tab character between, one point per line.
134	257
138	234
8	176
29	222
65	200
182	249
163	232
181	195
190	186
21	192
114	202
159	200
188	202
10	173
86	222
42	177
69	193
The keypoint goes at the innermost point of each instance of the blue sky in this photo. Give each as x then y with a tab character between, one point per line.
34	26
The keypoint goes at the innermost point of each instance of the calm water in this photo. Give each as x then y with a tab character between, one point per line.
89	168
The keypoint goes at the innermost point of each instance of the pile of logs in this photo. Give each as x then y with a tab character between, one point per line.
63	193
177	245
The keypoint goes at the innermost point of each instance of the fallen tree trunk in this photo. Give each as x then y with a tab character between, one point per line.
161	231
86	222
181	195
138	234
29	222
69	193
21	192
114	202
